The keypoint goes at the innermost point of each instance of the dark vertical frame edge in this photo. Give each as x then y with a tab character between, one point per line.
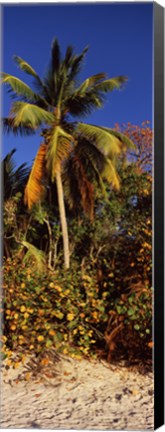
158	21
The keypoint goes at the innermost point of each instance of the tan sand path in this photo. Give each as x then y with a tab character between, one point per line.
83	395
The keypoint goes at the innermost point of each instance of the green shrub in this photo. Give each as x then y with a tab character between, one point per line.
129	331
51	310
75	313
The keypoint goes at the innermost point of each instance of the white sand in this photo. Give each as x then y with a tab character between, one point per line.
83	395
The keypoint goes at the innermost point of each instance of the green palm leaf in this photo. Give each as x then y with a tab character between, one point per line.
93	83
91	94
76	65
9	126
19	87
26	114
35	256
23	65
110	84
60	145
106	142
89	82
27	68
110	174
123	138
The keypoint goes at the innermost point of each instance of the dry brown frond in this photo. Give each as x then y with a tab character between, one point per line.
35	187
86	188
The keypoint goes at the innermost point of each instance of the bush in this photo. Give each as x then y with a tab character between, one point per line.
51	310
75	313
129	330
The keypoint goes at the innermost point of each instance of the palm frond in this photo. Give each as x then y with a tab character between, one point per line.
79	191
99	179
55	56
23	65
20	176
53	77
76	65
91	94
9	126
97	165
106	142
110	84
49	87
27	68
89	82
93	160
14	179
8	161
110	174
60	78
60	145
34	256
129	144
18	87
68	60
8	167
83	105
86	189
30	115
35	187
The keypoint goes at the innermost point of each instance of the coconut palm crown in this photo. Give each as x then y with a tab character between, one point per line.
51	108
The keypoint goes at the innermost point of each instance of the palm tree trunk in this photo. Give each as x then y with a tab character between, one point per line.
63	220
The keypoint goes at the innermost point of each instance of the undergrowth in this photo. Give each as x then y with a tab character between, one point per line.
75	313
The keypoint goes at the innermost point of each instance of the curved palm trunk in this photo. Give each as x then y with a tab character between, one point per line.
63	220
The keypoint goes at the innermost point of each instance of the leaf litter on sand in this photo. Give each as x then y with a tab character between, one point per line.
93	388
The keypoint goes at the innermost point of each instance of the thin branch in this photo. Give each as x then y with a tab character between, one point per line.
50	244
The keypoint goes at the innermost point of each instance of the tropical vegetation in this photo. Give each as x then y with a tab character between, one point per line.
67	146
100	181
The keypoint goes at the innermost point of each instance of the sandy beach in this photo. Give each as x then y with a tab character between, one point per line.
77	394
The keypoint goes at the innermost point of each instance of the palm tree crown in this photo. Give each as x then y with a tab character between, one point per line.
51	107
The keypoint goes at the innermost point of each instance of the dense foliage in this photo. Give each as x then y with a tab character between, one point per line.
102	306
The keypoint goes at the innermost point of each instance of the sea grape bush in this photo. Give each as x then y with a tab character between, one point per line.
71	314
50	311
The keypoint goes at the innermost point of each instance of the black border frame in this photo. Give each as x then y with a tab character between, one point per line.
158	214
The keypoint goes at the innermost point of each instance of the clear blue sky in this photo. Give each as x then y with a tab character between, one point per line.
119	36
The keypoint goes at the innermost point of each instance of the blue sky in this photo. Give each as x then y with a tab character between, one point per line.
119	36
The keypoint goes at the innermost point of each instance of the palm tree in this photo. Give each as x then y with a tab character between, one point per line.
51	108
